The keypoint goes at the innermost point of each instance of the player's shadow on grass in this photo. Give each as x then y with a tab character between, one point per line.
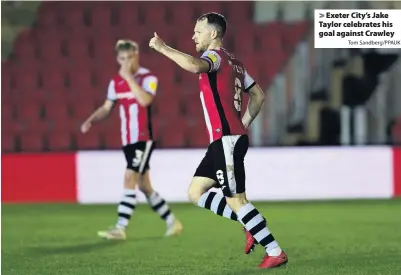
141	239
84	247
72	249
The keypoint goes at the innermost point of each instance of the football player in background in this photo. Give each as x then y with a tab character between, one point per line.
133	89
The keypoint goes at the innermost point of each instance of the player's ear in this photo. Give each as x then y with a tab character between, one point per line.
214	34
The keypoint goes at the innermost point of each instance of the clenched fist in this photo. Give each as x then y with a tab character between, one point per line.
156	43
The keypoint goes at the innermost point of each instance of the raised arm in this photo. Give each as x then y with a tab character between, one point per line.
187	62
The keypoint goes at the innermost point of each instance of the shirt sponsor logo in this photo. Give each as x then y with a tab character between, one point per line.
126	95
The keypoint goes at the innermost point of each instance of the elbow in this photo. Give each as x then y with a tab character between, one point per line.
144	103
196	70
262	98
105	110
197	67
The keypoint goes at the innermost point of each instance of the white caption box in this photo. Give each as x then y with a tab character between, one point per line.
357	28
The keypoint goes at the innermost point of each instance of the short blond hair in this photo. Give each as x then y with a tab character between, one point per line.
126	45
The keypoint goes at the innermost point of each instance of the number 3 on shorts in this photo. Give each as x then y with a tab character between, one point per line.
136	161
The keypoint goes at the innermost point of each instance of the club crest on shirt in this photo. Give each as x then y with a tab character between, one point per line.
153	86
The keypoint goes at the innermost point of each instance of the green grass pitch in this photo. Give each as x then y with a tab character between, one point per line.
322	238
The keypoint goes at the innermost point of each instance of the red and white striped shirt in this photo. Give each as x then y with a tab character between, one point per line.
221	93
135	120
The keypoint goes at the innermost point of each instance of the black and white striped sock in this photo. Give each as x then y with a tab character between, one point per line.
160	206
255	223
126	208
217	203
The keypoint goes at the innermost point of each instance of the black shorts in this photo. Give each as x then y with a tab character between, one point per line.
224	163
138	155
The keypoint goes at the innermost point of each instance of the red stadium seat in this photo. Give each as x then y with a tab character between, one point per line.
187	45
81	110
238	12
101	17
36	95
31	142
25	80
51	51
59	141
46	16
6	77
170	132
196	133
104	51
64	6
246	42
8	142
81	80
103	77
64	124
182	12
25	51
38	126
168	106
274	41
173	136
78	49
53	79
192	105
89	140
11	127
109	124
57	110
73	16
207	6
29	111
129	14
112	139
26	67
154	14
158	125
7	112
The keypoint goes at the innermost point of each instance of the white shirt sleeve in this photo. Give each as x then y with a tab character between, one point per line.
248	82
111	91
213	58
150	84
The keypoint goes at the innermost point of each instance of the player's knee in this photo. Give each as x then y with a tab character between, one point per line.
236	202
144	184
145	188
130	179
194	194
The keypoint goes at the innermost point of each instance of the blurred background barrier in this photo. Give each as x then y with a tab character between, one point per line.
272	174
